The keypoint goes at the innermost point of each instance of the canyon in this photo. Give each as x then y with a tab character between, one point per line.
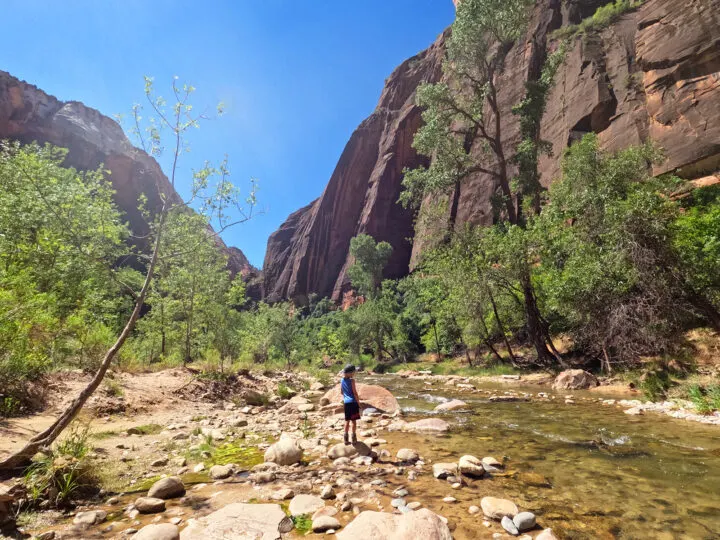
653	74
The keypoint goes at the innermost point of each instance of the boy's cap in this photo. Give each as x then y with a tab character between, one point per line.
349	369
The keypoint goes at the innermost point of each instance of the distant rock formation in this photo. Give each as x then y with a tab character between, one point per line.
28	114
652	74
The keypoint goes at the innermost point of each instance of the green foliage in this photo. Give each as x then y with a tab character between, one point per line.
60	297
370	259
62	474
616	271
284	391
655	384
603	17
699	399
303	523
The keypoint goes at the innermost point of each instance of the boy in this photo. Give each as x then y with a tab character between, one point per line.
351	400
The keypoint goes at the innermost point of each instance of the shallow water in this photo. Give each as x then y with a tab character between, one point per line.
609	475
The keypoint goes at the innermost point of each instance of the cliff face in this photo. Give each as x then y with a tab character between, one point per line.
309	253
28	114
653	74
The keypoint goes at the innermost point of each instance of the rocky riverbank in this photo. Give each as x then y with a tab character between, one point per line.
215	468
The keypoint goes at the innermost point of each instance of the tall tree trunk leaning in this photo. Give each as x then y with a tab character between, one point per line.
46	438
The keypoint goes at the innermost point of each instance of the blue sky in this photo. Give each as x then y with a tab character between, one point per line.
296	76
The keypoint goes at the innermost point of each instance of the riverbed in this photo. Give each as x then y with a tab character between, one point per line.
585	469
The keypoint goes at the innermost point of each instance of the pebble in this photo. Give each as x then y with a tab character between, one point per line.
474	509
397	503
449	499
524	521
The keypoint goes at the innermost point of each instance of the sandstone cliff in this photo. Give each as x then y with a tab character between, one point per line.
28	114
309	253
652	74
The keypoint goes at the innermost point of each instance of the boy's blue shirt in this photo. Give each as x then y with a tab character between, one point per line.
346	386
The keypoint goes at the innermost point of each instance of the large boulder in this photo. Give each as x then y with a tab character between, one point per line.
284	452
371	395
240	521
167	488
575	379
411	526
159	531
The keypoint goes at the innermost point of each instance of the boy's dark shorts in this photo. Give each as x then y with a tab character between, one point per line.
352	411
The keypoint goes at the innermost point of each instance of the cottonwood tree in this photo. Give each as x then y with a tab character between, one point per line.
211	193
370	259
462	131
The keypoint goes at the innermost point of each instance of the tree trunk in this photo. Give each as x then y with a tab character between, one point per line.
513	360
45	438
489	345
437	341
536	330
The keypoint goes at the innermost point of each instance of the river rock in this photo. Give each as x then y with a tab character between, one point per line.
327	492
408	455
471	466
495	508
452	405
443	470
305	504
282	494
264	477
220	472
159	531
575	379
167	488
370	396
490	464
349	450
371	525
435	425
509	526
284	452
305	407
524	521
547	534
240	521
149	505
91	517
325	523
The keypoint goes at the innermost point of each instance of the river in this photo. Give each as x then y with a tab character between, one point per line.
585	469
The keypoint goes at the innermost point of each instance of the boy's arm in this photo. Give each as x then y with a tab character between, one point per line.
354	389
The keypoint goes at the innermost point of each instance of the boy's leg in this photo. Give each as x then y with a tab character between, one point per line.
347	428
354	431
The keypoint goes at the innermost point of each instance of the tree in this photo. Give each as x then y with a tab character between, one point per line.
619	257
370	260
222	204
462	131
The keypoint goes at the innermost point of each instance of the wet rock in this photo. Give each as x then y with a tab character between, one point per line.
443	470
575	379
524	521
547	534
149	505
422	523
509	526
91	517
435	425
160	531
242	521
305	504
634	411
474	510
220	472
325	523
397	503
407	455
452	405
284	452
495	508
533	479
471	466
491	464
401	492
